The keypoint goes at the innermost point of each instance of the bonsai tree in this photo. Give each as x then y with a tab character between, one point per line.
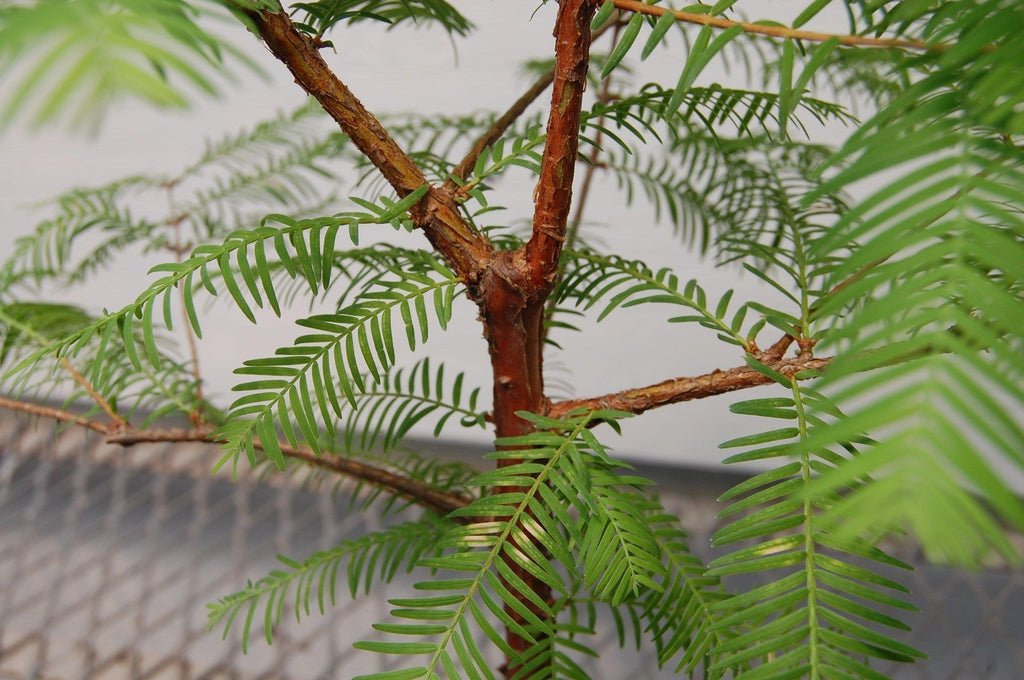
895	352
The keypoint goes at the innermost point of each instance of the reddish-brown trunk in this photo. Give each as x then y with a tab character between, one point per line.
512	312
516	285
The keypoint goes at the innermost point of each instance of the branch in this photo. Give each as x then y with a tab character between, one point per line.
573	228
180	253
66	364
554	188
503	122
53	414
498	128
422	493
119	422
676	390
778	31
461	245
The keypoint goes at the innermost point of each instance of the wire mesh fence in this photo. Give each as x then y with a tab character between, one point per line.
108	557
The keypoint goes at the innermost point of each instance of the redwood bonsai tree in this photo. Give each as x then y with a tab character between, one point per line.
896	353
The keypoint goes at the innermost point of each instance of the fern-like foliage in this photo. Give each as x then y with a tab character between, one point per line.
592	279
319	17
680	616
145	42
49	253
385	412
300	584
819	616
150	394
528	526
939	263
298	245
302	386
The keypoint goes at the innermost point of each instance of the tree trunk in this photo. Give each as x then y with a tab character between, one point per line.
512	312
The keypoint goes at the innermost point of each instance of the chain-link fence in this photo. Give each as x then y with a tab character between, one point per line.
108	557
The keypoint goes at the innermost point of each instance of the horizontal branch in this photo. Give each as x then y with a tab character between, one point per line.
53	414
676	390
777	31
419	492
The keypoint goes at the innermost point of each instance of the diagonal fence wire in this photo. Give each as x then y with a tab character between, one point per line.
108	557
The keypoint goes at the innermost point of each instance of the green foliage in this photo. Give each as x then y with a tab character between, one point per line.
381	555
817	618
591	279
151	393
303	386
319	17
916	288
939	254
384	413
145	44
545	475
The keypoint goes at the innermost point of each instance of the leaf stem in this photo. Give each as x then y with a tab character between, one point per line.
810	566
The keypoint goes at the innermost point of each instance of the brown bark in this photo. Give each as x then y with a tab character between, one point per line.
516	285
554	188
461	246
513	325
676	390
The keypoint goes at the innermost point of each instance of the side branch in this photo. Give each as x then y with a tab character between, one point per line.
461	245
498	127
676	390
505	120
777	31
553	196
53	414
419	492
423	494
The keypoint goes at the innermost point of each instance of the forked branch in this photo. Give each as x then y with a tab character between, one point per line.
461	245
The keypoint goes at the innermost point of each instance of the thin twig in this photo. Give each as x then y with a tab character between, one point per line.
53	414
407	487
424	494
66	364
503	122
119	422
778	31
